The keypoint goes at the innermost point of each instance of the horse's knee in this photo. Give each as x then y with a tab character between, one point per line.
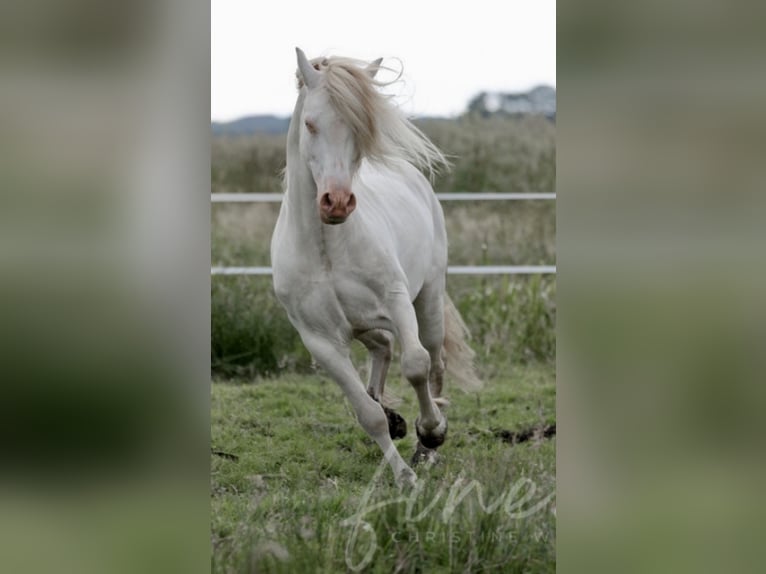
415	365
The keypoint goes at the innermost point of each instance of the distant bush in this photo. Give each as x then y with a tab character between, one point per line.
511	320
250	332
247	164
507	154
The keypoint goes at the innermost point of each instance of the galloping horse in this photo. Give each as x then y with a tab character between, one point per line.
360	249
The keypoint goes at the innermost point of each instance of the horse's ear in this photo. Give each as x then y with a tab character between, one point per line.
309	74
373	67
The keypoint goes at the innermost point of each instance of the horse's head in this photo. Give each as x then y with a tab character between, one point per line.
329	141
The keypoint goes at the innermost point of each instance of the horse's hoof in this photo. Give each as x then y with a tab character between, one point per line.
425	456
407	479
435	437
397	426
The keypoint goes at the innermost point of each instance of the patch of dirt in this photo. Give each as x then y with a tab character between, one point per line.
515	437
226	455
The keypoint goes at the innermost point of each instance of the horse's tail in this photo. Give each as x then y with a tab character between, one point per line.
458	355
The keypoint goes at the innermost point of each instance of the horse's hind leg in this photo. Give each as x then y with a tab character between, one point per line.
380	344
429	308
431	425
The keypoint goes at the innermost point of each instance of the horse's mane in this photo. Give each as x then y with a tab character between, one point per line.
380	129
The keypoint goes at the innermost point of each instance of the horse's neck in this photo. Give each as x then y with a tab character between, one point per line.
302	212
301	190
303	227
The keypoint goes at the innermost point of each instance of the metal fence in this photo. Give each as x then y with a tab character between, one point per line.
452	269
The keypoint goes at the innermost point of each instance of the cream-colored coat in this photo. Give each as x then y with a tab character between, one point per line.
377	271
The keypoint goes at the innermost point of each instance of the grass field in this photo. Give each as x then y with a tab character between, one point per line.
297	486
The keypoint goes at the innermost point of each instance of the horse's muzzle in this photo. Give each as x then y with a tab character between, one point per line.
336	205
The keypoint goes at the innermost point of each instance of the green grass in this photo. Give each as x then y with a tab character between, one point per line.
310	492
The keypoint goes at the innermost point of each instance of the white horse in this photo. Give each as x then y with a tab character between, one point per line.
360	250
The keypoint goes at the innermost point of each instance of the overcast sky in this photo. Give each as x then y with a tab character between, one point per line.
450	50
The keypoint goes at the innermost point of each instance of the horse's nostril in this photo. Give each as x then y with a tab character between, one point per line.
325	201
351	202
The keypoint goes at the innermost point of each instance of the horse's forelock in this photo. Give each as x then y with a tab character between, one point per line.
380	131
354	96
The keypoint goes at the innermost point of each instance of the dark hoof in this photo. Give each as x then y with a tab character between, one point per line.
397	426
424	455
434	438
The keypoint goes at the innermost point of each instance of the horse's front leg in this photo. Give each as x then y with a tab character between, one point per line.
380	344
334	358
431	425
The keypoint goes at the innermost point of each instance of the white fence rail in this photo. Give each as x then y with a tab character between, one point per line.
452	270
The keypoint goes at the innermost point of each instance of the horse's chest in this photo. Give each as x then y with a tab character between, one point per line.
361	302
341	287
335	303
